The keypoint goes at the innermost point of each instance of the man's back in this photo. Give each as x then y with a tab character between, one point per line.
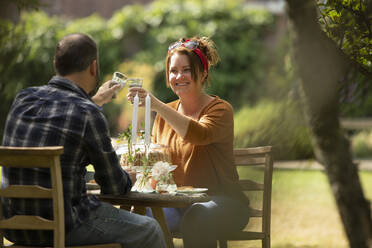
61	113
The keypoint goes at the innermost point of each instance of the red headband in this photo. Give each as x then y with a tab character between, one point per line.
202	57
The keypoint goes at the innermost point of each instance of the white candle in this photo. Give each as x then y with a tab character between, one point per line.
147	119
134	119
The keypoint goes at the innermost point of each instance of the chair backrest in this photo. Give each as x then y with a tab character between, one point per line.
258	156
35	157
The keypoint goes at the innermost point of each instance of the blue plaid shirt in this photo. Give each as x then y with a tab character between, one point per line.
61	114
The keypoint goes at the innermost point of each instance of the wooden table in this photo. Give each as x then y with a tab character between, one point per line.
156	202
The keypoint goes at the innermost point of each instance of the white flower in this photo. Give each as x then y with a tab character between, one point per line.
160	170
142	184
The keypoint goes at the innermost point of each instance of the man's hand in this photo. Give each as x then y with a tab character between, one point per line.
132	174
105	93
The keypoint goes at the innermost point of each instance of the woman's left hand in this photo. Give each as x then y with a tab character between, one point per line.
142	93
177	121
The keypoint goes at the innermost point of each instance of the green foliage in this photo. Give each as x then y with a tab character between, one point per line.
143	34
349	23
362	144
25	59
360	107
25	4
279	124
127	136
237	31
25	56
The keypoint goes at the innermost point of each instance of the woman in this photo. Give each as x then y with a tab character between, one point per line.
199	130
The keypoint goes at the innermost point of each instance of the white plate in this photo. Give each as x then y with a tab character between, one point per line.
192	191
146	191
140	168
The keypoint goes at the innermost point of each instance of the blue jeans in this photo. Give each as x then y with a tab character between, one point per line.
108	224
202	223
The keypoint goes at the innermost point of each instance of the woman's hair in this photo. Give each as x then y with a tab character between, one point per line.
208	50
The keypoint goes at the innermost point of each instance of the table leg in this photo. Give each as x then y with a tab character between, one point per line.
126	207
139	210
160	217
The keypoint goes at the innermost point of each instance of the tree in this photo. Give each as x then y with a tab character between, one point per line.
349	24
322	67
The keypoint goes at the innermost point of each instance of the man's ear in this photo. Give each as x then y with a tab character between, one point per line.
93	68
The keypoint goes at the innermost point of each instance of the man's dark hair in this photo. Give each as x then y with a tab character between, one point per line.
74	53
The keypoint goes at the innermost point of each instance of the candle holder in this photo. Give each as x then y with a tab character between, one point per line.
137	82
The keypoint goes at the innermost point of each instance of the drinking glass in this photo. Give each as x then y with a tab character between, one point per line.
134	82
119	78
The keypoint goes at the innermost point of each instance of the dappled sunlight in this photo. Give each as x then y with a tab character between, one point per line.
304	213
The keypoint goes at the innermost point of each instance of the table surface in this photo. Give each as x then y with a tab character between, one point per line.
178	200
156	202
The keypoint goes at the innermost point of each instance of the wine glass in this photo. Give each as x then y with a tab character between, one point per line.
134	82
119	78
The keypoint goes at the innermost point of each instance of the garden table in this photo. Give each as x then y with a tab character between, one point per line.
156	202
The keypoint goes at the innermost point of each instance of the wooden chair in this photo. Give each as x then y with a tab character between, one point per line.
257	156
37	157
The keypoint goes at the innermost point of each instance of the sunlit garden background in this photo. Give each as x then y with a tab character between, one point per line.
256	75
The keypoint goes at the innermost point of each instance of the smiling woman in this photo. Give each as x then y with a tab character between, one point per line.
198	129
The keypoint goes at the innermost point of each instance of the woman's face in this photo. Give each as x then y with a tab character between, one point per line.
180	76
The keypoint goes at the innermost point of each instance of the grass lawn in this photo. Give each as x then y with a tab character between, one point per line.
304	213
303	210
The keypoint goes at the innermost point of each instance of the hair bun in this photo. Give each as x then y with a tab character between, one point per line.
207	46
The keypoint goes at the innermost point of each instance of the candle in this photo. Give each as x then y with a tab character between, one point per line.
134	119
147	119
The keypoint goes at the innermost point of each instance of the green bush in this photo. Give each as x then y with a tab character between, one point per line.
361	144
143	33
237	30
279	124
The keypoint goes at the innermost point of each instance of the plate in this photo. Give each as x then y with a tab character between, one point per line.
146	191
140	168
92	186
192	191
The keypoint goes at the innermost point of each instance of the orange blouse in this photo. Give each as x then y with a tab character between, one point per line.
205	156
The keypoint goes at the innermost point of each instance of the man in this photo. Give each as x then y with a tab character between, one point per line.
62	113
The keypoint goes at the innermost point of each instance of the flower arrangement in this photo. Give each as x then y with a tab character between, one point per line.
127	135
143	182
162	174
151	174
158	177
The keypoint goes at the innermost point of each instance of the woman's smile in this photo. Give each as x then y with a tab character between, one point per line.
182	84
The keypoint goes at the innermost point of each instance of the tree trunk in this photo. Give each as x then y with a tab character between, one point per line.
321	67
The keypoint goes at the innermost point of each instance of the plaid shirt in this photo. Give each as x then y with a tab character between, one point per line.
61	114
